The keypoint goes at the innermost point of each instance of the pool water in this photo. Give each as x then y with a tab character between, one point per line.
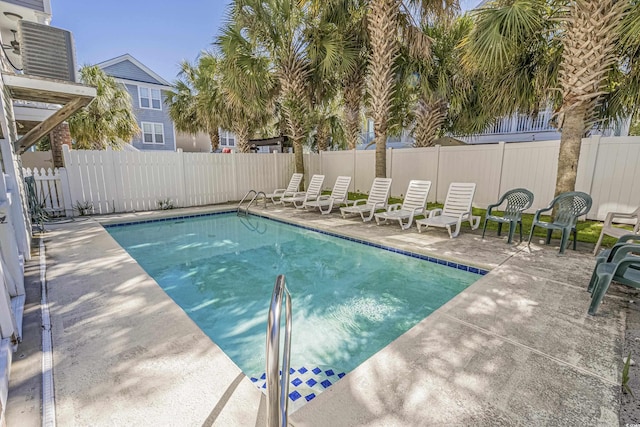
349	300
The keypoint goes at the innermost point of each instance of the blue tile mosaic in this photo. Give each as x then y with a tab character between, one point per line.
326	383
329	372
264	376
341	374
296	382
302	370
311	382
294	395
310	396
316	370
253	380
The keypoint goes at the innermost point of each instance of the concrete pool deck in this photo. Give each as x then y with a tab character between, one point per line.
515	347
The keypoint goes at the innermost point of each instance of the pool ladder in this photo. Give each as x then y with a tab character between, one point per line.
256	194
278	386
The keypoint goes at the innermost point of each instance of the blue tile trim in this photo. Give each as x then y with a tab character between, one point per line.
173	218
443	262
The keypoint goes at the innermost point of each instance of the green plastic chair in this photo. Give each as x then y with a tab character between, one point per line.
518	200
608	254
623	267
569	207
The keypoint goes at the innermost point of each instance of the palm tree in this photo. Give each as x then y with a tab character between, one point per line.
564	53
277	28
247	86
194	104
109	119
390	23
445	88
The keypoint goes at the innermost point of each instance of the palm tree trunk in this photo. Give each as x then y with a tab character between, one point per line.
322	136
570	143
242	138
383	26
353	94
429	119
214	137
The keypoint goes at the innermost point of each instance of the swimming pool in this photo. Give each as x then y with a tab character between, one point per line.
349	299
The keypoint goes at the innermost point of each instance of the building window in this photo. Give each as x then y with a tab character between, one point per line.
150	98
227	139
152	133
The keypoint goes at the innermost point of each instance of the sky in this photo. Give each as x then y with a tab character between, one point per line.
158	33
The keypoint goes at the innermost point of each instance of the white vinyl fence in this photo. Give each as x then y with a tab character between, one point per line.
110	181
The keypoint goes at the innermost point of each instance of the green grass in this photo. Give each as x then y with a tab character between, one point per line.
588	231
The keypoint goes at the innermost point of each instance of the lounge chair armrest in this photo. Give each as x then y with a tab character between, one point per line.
613	215
435	212
357	202
491	207
324	197
394	207
536	216
279	191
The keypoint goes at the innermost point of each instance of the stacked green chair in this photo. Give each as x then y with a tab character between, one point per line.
608	254
568	208
621	264
518	200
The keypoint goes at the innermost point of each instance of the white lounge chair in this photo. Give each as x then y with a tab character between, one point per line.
339	195
414	204
457	208
291	189
313	192
377	199
611	230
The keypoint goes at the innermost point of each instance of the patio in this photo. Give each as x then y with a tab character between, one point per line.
516	347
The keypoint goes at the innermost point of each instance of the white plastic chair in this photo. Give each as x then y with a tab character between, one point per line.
377	199
291	189
313	192
610	230
339	195
457	208
413	204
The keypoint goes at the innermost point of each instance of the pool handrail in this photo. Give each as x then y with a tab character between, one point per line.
278	391
253	199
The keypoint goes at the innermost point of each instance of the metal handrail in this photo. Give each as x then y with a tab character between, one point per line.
253	199
278	391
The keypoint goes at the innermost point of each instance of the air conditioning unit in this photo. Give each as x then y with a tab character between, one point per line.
47	51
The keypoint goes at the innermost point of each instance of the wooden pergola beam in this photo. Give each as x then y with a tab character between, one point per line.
46	126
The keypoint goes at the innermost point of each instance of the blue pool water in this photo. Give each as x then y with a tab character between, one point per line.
349	300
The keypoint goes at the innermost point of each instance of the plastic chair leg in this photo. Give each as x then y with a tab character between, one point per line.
575	239
601	288
533	227
520	227
564	240
484	227
499	229
512	230
549	231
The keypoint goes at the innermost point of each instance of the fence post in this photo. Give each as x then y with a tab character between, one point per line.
592	166
437	169
355	178
501	146
66	191
234	174
115	191
182	187
389	162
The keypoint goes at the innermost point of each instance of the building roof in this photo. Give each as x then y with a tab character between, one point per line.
127	57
